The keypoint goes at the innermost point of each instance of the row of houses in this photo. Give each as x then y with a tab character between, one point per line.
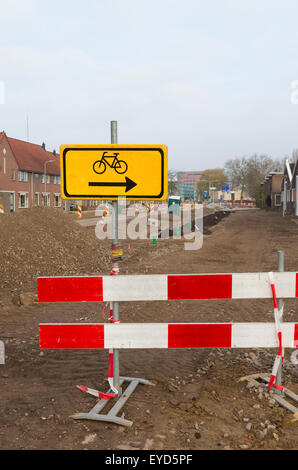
30	176
279	189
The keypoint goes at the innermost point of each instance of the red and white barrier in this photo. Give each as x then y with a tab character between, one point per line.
281	350
166	287
166	335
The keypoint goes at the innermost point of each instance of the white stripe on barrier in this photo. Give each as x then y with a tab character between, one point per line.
261	335
133	288
2	353
136	336
257	285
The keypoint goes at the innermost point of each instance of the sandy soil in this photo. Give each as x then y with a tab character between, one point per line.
197	401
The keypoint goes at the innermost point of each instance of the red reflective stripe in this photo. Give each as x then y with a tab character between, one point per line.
279	334
274	296
70	289
271	382
111	365
212	286
71	336
200	336
296	336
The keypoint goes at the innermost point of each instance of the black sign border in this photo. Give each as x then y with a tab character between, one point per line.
111	148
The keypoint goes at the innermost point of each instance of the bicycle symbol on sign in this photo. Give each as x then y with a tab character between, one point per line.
120	166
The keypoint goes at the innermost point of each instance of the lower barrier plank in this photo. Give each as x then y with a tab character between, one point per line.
165	335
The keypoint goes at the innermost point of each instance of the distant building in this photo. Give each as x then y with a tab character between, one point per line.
29	176
187	183
288	188
231	196
272	189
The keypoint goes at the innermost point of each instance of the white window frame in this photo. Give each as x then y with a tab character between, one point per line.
43	179
280	201
23	176
48	199
59	196
57	179
25	194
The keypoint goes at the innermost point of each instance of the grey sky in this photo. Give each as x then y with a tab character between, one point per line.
211	80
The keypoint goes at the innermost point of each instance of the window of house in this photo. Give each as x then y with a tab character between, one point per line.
45	179
46	199
277	199
57	200
23	176
288	195
23	200
57	180
37	199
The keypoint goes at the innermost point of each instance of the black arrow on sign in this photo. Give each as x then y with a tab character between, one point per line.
129	184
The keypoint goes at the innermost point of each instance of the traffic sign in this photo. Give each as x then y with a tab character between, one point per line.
111	171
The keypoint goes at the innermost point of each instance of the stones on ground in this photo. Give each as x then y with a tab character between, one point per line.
27	298
259	434
148	444
89	439
172	388
185	406
174	402
248	427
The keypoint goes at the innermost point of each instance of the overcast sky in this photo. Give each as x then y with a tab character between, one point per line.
209	79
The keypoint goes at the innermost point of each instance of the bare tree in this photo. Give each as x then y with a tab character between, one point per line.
172	182
236	171
247	173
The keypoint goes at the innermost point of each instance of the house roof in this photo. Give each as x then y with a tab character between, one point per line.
32	157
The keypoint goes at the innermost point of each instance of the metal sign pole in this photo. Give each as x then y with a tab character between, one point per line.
96	413
115	242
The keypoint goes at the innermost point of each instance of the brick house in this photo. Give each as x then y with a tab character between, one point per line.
29	176
272	189
287	189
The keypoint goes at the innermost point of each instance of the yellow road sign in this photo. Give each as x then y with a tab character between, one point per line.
110	171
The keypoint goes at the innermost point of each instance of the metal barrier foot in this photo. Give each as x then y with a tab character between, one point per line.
111	417
262	380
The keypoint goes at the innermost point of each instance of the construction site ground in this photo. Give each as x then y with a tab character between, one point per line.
198	401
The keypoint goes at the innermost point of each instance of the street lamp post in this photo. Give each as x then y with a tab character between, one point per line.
45	174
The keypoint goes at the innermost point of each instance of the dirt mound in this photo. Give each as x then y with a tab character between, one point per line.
46	242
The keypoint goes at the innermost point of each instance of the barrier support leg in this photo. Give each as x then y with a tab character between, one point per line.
111	417
262	380
280	268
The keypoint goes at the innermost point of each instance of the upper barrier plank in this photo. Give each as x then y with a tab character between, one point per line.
165	287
